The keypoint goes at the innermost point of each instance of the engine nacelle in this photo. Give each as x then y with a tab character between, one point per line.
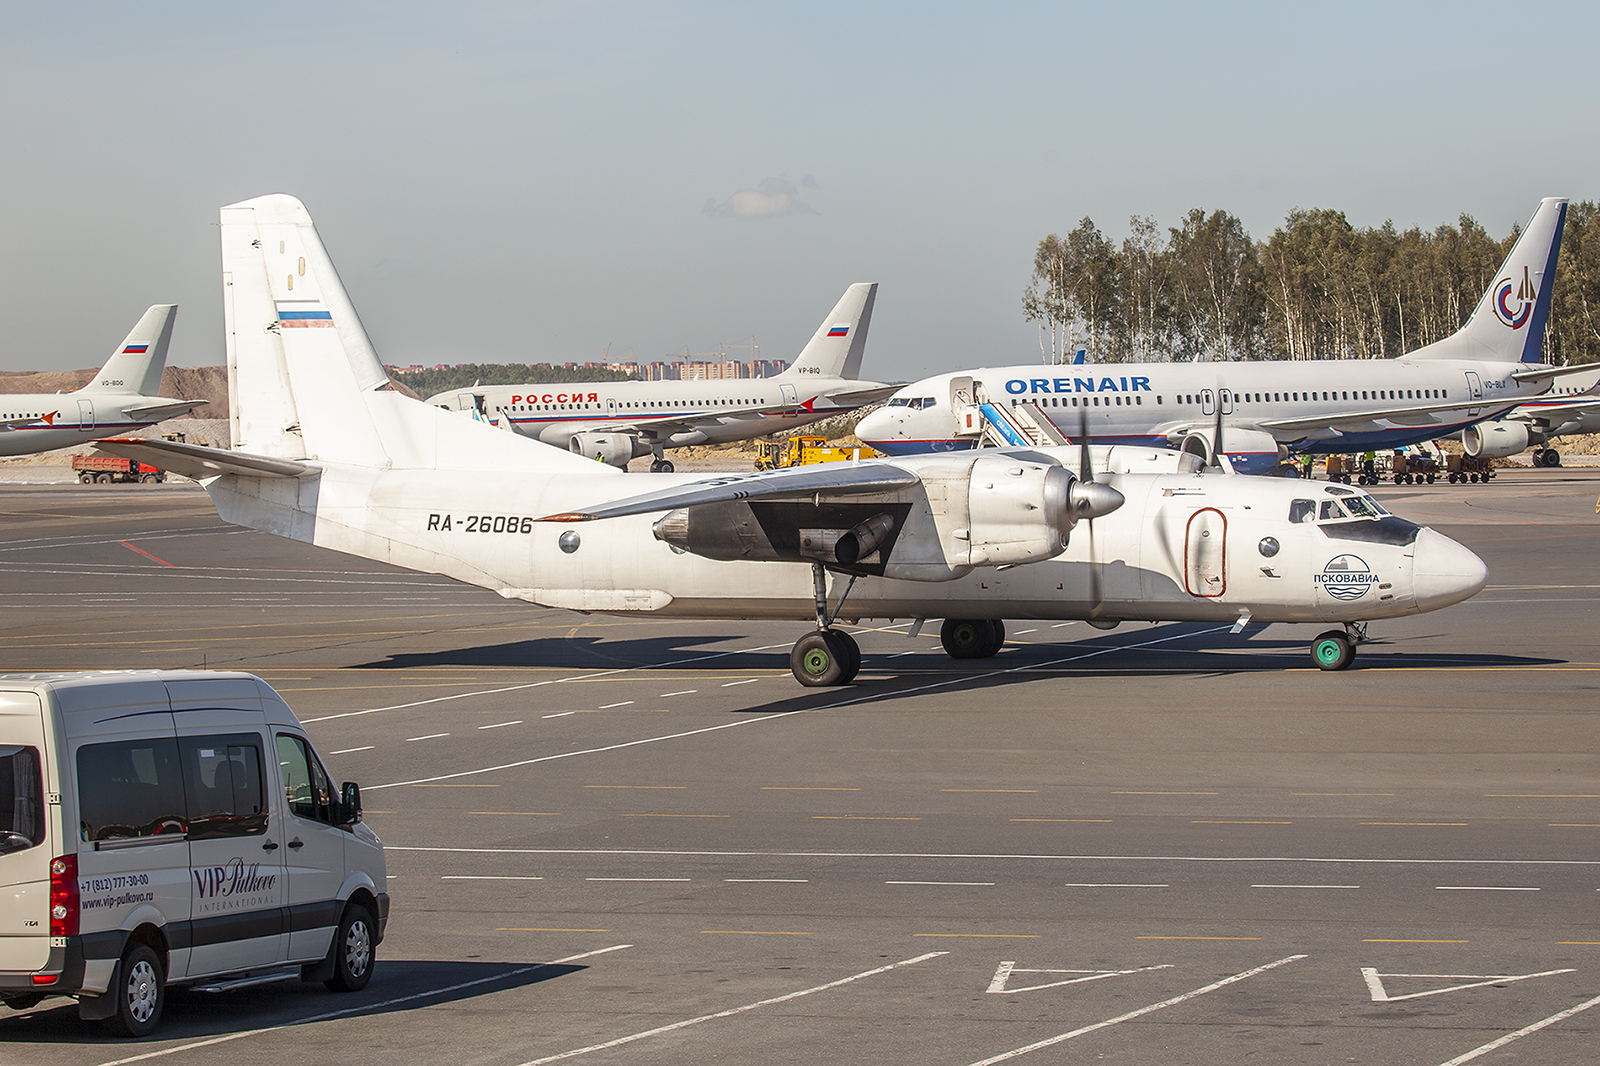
1495	440
613	448
1023	512
1250	451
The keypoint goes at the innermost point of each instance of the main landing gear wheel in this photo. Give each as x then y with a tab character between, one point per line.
825	657
1552	457
661	466
972	638
1333	651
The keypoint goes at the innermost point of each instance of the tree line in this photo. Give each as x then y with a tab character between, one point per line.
1318	288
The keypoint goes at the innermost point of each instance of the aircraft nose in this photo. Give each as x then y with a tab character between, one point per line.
876	426
1444	572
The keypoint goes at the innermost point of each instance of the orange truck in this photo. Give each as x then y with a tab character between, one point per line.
106	469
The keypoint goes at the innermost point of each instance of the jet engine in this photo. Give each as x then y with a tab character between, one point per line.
613	448
1495	440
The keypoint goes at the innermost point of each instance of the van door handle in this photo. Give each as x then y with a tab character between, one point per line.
297	843
271	845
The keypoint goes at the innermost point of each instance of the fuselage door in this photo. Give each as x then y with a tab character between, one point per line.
1208	402
1225	398
1205	554
85	414
1474	391
790	397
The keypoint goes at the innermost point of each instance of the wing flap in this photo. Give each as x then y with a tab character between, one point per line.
198	461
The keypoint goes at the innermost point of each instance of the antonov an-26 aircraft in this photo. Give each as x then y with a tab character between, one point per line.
615	421
1267	409
124	396
328	454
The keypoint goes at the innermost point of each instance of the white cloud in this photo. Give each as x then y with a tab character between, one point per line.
770	198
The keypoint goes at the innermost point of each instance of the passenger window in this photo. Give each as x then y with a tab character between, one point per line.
305	783
1331	509
130	789
1302	510
222	776
21	799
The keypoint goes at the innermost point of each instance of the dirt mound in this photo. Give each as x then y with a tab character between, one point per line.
209	383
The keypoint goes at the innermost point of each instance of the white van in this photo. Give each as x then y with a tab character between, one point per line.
173	828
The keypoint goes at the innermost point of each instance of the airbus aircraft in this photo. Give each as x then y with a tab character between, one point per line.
124	396
614	421
1572	406
329	454
1269	409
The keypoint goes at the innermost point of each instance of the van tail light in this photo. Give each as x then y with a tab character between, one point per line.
64	896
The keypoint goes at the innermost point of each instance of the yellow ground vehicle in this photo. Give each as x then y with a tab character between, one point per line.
803	451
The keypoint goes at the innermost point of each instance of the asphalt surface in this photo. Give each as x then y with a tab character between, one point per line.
624	841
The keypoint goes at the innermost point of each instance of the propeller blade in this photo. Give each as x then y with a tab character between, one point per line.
1085	468
1089	499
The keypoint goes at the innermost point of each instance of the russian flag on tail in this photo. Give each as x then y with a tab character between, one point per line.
839	330
303	314
135	349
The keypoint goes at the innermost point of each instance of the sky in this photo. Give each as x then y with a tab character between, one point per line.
533	182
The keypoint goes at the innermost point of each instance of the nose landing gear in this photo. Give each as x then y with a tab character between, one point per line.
1334	650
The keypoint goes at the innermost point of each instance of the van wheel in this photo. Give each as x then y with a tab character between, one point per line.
141	991
353	955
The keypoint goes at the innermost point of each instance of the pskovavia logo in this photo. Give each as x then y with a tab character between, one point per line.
1346	577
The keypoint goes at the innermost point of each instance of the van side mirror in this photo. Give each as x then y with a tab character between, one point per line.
349	803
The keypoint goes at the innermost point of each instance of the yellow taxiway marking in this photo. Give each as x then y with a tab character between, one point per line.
525	929
1377	940
1060	819
1019	790
1197	938
1166	793
1578	943
754	932
1220	821
805	788
1416	823
863	818
1574	825
1540	796
635	786
986	936
1390	794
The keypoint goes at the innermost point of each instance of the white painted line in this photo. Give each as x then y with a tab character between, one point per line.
1069	884
1003	972
365	1008
979	884
1025	632
1058	625
1305	886
636	879
430	736
732	1011
1481	888
685	692
624	703
1119	1019
489	877
1524	1031
765	881
347	751
563	714
1380	994
750	681
498	725
897	654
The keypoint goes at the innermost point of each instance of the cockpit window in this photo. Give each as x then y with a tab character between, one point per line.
899	401
1364	507
1303	510
1331	509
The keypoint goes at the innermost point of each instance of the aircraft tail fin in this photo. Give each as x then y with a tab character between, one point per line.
135	367
837	346
1509	322
304	381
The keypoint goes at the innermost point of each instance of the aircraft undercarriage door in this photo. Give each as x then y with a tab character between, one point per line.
1205	554
1474	392
85	414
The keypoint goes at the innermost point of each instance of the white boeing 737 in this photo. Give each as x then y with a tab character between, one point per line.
1571	407
1267	409
615	421
124	396
329	454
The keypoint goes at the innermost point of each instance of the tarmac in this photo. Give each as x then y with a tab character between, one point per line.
623	840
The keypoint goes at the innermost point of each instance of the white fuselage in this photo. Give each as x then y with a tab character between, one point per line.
1564	410
63	419
724	410
1155	403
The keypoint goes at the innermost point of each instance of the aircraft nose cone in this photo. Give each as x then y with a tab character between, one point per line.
1444	572
876	426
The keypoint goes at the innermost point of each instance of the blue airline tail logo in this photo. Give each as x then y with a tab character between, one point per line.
1527	295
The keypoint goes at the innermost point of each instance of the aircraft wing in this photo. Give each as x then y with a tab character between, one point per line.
1414	415
864	396
823	480
1547	372
155	412
198	461
672	424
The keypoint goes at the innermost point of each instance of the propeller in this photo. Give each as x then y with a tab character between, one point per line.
1090	498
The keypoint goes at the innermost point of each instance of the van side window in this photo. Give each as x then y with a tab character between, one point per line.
222	776
132	788
21	799
305	783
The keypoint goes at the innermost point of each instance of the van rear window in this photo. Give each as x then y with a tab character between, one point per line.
21	799
131	788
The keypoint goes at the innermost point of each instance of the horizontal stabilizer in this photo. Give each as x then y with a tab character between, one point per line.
857	397
1550	373
824	480
156	412
198	461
